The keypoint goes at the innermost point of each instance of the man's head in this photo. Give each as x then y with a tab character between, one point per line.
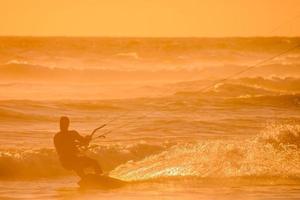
64	123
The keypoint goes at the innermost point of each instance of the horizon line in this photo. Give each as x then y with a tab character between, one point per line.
146	37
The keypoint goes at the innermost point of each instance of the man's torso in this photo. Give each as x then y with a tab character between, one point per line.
65	144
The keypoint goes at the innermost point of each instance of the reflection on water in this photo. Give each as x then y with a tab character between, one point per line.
182	190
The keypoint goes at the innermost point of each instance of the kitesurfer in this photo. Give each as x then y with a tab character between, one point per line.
67	143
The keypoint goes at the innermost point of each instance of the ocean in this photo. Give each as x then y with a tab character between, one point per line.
166	135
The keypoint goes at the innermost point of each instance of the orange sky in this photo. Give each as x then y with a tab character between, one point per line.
149	18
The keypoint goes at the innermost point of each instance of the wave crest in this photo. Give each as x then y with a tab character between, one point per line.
44	163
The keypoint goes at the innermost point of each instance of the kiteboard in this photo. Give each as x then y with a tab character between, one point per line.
100	182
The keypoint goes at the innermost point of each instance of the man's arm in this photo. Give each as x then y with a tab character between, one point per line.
82	140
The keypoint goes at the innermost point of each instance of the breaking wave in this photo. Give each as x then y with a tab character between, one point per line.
43	163
273	153
274	91
259	86
267	100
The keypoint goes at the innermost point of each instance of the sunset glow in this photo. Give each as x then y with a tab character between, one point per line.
150	99
144	18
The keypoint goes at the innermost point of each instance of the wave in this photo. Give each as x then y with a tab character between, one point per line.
40	73
274	83
274	153
16	164
233	90
25	72
110	47
7	114
90	105
242	87
49	111
289	101
26	110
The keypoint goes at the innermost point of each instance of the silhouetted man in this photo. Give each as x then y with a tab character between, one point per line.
66	143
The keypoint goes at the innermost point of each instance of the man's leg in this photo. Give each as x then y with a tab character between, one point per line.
89	162
96	166
72	164
79	172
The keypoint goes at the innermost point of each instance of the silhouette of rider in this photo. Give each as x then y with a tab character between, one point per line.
67	143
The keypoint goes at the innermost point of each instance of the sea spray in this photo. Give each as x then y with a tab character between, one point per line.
273	153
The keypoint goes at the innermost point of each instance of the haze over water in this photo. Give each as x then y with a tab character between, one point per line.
170	139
